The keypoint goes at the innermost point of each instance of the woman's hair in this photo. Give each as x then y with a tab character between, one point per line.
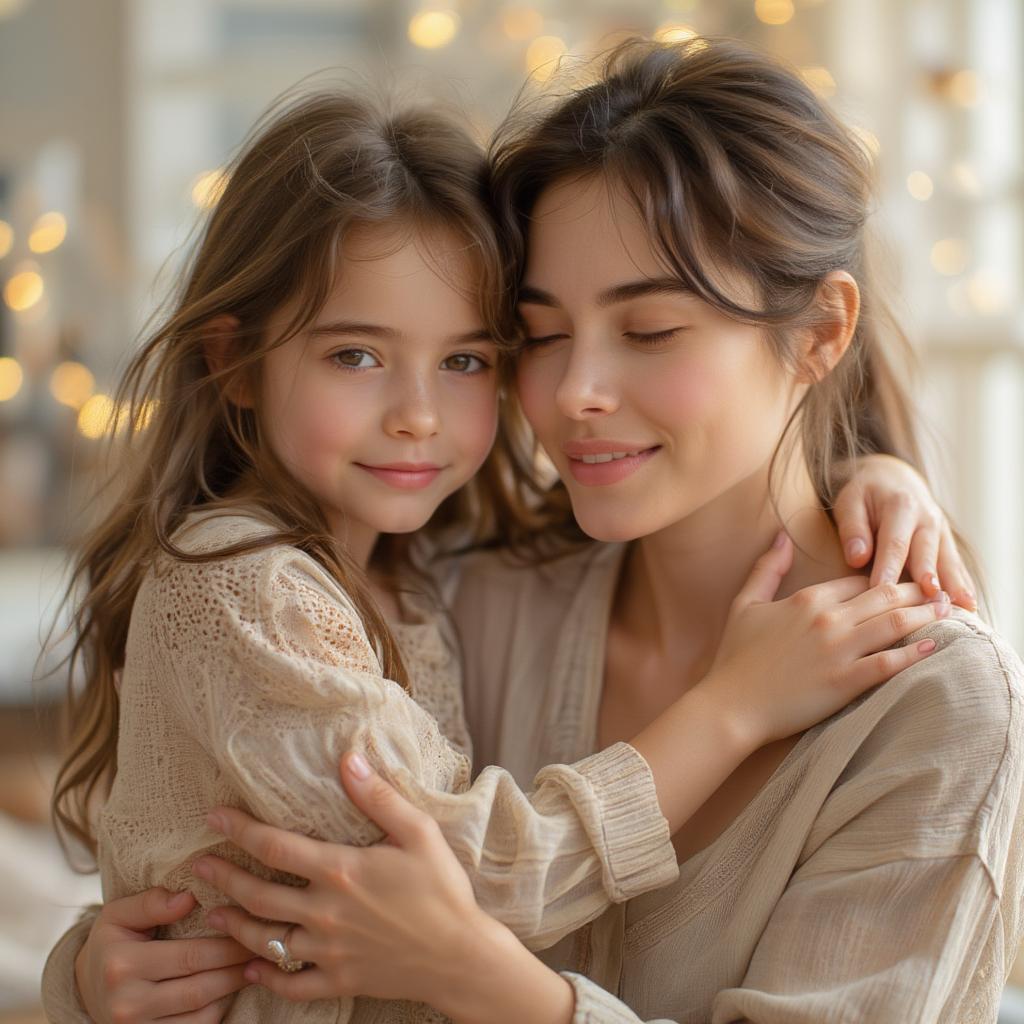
313	168
741	174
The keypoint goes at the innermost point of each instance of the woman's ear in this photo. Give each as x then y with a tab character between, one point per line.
220	336
839	301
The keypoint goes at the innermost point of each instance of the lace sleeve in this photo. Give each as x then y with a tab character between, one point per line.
277	680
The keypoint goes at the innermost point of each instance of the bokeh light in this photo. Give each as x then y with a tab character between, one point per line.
48	232
208	187
24	290
6	238
433	29
542	56
920	185
11	378
774	12
72	384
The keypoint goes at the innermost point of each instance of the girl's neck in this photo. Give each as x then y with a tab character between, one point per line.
677	585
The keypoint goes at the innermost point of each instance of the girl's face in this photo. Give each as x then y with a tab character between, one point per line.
651	403
387	403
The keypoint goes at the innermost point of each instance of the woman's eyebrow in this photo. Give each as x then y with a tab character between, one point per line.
534	296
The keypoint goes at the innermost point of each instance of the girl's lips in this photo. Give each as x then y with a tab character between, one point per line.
599	474
402	478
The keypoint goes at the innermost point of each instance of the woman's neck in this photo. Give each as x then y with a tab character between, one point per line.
677	585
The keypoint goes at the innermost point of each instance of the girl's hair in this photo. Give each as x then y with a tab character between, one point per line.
735	166
312	169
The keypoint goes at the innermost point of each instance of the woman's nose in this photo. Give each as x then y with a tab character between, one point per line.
587	386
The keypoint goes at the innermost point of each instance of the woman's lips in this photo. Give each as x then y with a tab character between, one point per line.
405	476
599	474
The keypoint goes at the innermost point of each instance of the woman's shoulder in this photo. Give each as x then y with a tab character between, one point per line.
937	751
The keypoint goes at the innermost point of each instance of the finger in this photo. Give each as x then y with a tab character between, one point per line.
254	933
382	803
257	895
301	987
854	524
899	517
147	910
274	847
880	668
181	958
953	573
763	582
833	592
188	995
883	631
885	598
212	1013
924	553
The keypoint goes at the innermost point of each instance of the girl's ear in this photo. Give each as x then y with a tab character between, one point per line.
839	299
220	336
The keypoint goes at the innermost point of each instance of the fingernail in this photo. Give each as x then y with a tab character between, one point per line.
932	580
970	599
942	609
203	869
251	973
176	899
855	548
358	767
940	598
217	822
926	646
215	919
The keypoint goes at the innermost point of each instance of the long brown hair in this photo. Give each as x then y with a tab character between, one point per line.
313	168
731	161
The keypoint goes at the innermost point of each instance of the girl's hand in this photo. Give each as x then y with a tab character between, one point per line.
396	921
123	975
783	666
888	496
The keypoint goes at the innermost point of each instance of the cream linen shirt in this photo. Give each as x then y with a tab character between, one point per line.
875	878
245	680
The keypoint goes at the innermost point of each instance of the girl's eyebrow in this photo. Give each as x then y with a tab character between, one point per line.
366	330
611	296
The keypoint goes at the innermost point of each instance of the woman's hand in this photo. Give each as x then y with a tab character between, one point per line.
887	496
783	666
397	920
123	975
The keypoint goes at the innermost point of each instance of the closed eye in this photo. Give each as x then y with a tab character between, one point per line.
543	339
653	337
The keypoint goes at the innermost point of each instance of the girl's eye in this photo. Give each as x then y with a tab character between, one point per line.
653	337
355	359
466	362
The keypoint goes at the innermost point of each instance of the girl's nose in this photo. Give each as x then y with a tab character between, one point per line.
413	412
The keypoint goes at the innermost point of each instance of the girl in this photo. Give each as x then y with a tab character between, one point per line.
327	379
695	295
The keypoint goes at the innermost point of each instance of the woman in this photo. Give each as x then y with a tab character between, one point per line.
697	308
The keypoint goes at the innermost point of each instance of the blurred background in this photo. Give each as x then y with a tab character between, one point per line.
116	117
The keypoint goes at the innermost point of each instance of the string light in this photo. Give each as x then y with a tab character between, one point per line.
72	384
949	256
23	290
432	29
774	12
48	232
6	238
208	187
920	185
542	56
520	22
96	417
11	378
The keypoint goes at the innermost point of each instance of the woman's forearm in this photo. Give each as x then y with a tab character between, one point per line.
501	982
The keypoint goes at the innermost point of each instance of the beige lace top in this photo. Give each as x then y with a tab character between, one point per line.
875	879
245	680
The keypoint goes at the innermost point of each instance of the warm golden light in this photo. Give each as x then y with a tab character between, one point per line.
433	29
208	187
48	232
96	417
6	238
774	12
950	256
987	293
11	378
966	178
820	80
964	88
868	139
673	32
521	22
542	56
920	185
23	290
72	384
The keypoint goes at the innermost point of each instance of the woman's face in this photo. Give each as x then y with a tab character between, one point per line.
652	405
